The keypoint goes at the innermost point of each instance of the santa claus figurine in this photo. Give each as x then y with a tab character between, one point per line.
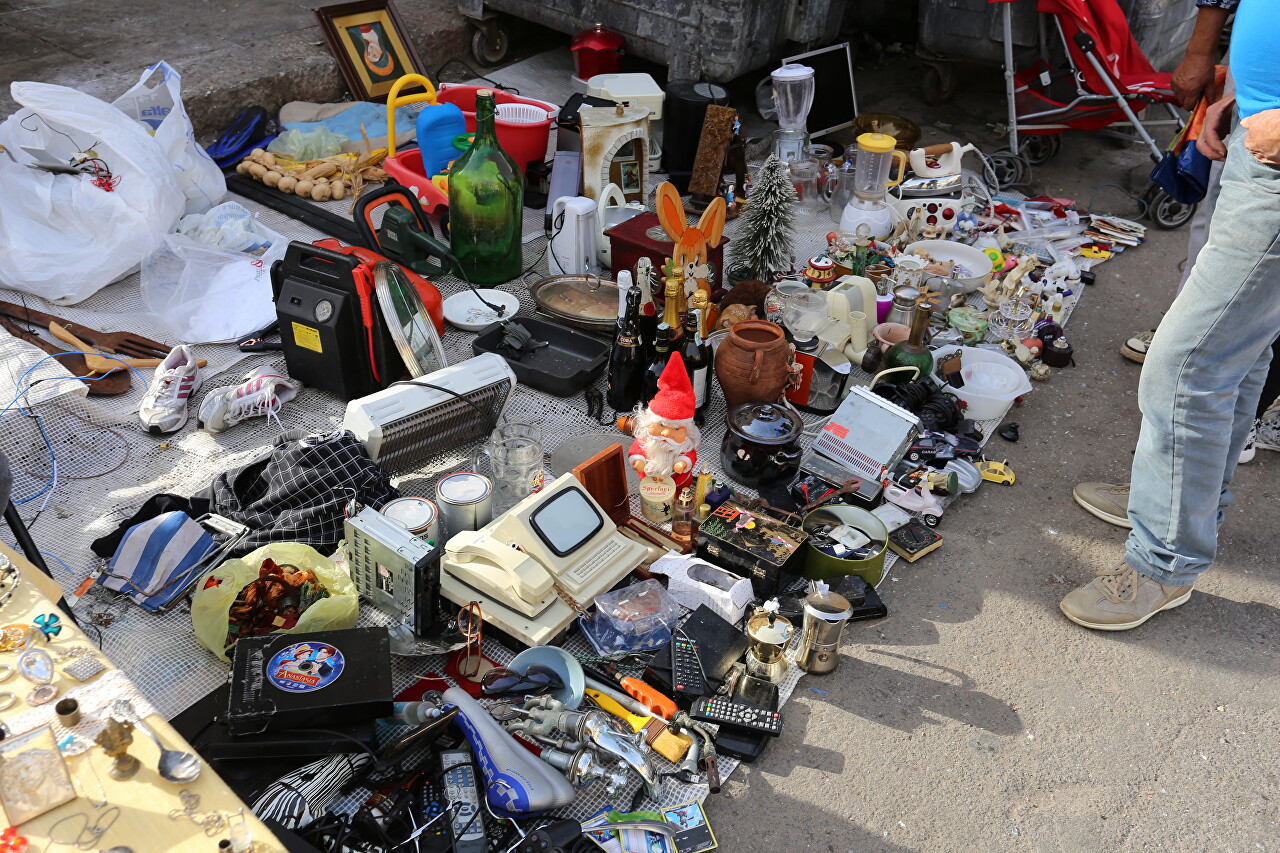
666	440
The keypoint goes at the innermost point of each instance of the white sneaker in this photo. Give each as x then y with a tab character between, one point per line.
1250	450
262	393
164	408
1268	430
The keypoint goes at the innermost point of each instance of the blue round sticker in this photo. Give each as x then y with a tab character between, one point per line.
303	667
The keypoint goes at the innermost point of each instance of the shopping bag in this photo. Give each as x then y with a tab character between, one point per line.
64	237
157	103
217	286
217	591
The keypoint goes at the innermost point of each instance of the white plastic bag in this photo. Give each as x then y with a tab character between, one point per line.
62	237
232	227
158	105
201	293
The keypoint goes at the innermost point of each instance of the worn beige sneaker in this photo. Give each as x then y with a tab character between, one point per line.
1120	600
1108	501
1135	349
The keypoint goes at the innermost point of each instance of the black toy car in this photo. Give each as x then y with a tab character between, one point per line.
937	449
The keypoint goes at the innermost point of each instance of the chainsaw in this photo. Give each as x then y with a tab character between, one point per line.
406	235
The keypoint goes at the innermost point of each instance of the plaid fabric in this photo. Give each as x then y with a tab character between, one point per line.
1229	5
298	492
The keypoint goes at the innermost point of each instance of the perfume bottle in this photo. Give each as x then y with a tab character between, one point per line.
683	526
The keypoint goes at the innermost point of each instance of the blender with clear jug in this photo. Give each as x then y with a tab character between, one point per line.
793	88
876	153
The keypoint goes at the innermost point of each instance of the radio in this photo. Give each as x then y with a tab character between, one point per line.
395	571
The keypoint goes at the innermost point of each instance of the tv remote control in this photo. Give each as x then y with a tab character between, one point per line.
466	823
725	712
686	667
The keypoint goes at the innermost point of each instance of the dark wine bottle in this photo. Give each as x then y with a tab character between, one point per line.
912	352
696	361
661	352
626	359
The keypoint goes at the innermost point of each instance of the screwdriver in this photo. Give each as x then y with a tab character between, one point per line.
653	700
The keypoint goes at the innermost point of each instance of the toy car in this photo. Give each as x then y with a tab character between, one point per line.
916	500
996	472
932	449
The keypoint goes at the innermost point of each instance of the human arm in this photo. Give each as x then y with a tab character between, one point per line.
1217	123
1263	138
1194	75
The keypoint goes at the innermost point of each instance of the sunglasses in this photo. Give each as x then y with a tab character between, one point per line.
536	679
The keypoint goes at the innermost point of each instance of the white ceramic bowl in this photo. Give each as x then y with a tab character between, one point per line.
973	260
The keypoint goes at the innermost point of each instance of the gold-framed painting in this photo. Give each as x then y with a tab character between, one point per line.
372	46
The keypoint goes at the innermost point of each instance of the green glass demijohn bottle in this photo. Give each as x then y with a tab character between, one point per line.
486	191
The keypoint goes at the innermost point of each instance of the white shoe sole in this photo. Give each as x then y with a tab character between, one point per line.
1125	626
1117	520
153	429
1133	354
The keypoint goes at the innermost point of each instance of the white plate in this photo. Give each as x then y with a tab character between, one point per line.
468	313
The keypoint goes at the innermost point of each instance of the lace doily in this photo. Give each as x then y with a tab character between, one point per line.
95	700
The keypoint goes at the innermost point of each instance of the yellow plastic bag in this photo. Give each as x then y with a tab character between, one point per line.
211	604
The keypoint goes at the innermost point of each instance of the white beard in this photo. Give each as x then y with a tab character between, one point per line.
661	456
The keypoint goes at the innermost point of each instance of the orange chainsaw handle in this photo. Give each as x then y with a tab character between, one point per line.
387	194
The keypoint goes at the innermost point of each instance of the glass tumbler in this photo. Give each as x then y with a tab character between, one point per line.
805	176
515	454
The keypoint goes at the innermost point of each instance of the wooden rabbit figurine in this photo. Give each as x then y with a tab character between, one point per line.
693	244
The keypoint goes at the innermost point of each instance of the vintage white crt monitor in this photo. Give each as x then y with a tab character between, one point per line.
512	565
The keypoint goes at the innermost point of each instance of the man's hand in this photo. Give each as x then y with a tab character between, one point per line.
1217	124
1192	78
1263	138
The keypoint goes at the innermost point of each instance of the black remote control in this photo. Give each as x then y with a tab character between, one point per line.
725	712
686	666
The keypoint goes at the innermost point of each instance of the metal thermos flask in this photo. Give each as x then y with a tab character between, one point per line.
825	615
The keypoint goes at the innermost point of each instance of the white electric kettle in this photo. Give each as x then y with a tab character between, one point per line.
948	159
573	236
614	210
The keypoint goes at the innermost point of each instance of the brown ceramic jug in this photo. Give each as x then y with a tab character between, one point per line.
753	363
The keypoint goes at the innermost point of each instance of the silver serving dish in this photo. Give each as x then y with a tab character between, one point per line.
581	300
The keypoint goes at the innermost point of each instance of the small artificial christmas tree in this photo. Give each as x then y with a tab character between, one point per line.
767	234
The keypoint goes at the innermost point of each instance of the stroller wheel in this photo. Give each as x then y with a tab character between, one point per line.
1166	211
937	84
1010	170
1040	149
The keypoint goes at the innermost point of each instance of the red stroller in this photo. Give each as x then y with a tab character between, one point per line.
1103	79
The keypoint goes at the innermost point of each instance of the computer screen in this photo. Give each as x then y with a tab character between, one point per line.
566	521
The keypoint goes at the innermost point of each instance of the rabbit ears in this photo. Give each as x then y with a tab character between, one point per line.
672	216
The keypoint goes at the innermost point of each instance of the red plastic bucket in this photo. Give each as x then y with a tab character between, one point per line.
524	141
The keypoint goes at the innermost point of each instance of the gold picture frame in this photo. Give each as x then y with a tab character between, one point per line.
33	776
371	44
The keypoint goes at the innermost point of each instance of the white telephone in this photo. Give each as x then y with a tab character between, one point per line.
557	542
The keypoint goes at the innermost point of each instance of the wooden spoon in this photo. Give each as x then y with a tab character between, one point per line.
100	363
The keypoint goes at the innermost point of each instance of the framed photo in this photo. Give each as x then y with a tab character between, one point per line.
372	46
33	776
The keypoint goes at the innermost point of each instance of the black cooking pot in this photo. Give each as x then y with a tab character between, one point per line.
761	445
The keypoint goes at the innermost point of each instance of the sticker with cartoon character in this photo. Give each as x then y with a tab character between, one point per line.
303	667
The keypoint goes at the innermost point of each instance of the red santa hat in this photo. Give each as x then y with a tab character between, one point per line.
675	400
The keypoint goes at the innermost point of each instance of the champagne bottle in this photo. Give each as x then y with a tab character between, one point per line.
696	362
661	352
912	352
671	309
486	191
626	360
648	308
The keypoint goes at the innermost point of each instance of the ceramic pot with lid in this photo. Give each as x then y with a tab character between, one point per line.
761	444
753	363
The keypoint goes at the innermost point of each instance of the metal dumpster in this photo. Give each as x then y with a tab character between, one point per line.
714	40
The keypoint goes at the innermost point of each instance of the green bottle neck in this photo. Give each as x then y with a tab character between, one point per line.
485	111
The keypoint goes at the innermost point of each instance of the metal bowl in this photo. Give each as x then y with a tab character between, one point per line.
580	300
904	131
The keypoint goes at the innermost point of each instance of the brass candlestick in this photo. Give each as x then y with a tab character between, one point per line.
115	739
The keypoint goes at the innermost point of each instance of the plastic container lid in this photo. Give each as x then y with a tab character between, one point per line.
879	143
793	71
463	488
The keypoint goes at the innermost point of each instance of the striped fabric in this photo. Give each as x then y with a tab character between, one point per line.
160	557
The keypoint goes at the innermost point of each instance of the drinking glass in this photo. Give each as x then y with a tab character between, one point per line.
806	314
804	175
515	454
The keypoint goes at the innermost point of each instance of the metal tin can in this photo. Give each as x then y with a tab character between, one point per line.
418	515
465	500
656	497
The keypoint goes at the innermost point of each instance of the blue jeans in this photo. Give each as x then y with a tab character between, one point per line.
1203	376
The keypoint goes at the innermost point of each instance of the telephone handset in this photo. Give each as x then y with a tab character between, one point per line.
502	571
